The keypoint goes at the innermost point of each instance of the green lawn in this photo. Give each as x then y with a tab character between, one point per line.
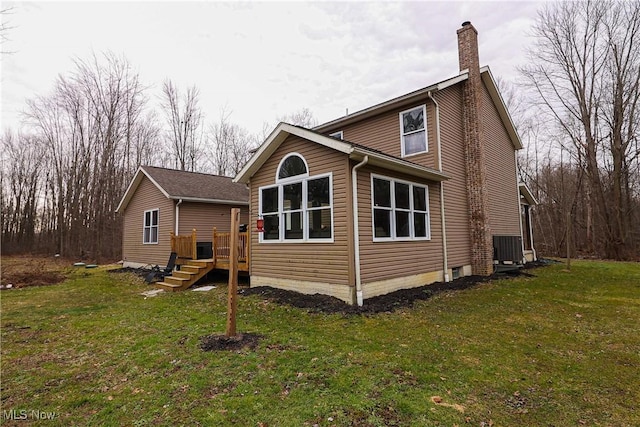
560	349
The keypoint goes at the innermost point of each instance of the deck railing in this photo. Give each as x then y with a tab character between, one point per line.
221	245
185	245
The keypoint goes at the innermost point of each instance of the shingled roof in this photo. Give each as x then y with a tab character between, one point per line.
354	151
188	186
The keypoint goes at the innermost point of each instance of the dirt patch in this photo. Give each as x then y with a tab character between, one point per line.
403	298
381	414
25	271
222	343
140	272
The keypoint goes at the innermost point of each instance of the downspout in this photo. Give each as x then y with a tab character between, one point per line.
515	161
356	232
178	217
445	260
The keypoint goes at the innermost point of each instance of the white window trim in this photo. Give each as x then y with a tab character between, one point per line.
411	211
426	133
291	178
304	179
339	135
150	226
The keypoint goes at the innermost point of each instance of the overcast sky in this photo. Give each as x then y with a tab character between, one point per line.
261	60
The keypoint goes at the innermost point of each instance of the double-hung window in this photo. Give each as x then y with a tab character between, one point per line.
413	134
150	228
299	207
400	210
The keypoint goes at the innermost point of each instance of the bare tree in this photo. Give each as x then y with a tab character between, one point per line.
5	27
303	117
184	118
229	145
584	70
21	187
620	114
93	133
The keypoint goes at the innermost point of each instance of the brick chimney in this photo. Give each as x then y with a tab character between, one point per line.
481	239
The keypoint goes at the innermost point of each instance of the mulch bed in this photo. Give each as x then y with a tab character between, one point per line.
403	298
237	343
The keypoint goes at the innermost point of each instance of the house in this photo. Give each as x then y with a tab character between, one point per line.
417	189
162	203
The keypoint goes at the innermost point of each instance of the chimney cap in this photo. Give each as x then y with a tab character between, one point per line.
465	23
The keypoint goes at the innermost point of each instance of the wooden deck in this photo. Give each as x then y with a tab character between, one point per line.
193	269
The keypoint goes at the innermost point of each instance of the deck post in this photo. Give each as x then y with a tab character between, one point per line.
194	246
214	243
248	250
232	306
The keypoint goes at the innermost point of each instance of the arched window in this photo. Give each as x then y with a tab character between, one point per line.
292	165
298	207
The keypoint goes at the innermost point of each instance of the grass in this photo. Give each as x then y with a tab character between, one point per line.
558	349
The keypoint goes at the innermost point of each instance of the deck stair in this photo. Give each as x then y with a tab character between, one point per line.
190	272
193	269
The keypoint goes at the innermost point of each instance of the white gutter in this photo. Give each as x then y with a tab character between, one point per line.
356	231
464	75
392	103
445	260
216	201
178	217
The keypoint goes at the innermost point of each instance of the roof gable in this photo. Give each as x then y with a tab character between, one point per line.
498	101
188	186
526	194
354	151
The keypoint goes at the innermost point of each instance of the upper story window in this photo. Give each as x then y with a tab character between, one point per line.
400	210
150	227
299	207
339	135
413	133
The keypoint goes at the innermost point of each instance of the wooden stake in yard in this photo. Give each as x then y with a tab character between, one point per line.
232	305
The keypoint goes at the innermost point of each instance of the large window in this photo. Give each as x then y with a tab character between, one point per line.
150	229
298	208
400	210
413	133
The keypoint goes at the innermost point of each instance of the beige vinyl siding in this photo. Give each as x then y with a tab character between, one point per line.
389	260
502	187
147	196
317	262
455	189
204	216
382	133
